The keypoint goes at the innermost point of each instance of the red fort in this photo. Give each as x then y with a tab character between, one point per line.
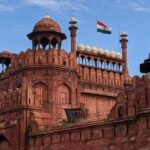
84	99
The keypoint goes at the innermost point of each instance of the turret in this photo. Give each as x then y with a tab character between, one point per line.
124	42
73	28
46	35
145	67
5	59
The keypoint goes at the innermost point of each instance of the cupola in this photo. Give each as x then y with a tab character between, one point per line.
46	34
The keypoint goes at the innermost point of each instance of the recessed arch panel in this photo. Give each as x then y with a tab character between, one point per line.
41	95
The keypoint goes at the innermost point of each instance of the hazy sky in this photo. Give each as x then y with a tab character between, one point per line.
18	18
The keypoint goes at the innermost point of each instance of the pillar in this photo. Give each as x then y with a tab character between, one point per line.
124	42
73	28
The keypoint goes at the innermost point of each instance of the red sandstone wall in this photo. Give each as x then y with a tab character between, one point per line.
98	106
128	128
101	137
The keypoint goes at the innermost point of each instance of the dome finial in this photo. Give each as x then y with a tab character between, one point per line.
73	21
47	16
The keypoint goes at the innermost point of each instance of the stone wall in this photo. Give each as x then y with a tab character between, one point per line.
128	126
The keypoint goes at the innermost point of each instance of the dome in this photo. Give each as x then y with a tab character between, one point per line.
100	51
47	24
81	47
107	52
5	57
5	53
88	48
112	53
94	49
118	55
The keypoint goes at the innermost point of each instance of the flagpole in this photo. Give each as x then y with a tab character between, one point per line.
118	37
97	37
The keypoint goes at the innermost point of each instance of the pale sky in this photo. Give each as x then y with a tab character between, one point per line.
18	18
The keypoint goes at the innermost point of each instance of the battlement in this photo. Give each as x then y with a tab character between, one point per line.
39	57
42	57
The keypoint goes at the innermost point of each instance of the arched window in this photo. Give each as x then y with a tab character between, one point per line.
45	43
34	126
54	43
95	62
35	45
102	64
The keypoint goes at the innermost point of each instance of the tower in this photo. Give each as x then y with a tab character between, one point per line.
124	42
73	28
145	67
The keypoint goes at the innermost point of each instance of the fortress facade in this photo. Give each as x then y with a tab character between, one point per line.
52	99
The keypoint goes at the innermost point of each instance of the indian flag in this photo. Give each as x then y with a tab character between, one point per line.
101	27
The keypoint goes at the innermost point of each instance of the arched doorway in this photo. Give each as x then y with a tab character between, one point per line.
4	143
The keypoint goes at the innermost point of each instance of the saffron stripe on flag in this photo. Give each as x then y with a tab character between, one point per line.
103	28
101	24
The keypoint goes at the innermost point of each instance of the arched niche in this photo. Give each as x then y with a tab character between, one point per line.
117	78
8	98
64	94
92	74
111	77
34	126
63	101
86	73
4	143
3	97
40	91
105	77
99	76
14	97
120	112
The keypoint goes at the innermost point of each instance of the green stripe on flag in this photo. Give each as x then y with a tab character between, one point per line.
104	31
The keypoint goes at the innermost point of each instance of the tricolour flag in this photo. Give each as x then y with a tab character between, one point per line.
101	27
